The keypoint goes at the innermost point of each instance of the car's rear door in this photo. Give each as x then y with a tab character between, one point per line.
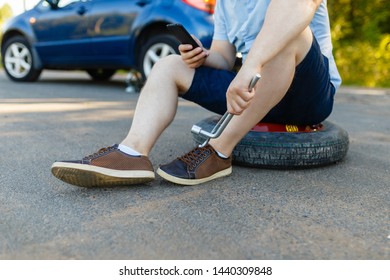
110	27
62	33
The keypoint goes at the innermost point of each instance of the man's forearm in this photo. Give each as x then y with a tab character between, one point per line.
222	55
216	60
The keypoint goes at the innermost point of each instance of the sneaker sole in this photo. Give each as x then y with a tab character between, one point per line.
191	182
89	176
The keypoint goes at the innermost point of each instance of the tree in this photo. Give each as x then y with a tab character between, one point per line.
5	13
361	39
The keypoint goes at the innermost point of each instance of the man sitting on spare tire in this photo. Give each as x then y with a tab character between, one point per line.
287	42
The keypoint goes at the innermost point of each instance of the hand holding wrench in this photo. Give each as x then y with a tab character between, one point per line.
223	122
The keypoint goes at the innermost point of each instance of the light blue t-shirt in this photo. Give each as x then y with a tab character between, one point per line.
239	22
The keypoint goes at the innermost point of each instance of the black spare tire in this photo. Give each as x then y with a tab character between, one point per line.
286	150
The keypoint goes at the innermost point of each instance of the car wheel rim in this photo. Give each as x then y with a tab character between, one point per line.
155	53
18	60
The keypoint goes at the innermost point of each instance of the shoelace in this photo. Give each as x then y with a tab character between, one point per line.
100	152
194	157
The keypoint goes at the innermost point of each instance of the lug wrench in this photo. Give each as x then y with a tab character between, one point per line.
223	122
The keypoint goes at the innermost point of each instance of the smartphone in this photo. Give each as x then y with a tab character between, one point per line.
182	34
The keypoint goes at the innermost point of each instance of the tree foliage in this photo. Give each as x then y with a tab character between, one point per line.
361	39
5	14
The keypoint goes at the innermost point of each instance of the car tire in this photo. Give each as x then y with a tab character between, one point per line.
154	49
101	75
18	60
286	150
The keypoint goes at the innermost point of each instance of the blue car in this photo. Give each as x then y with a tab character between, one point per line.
99	36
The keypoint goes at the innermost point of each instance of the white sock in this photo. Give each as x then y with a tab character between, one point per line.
221	155
128	150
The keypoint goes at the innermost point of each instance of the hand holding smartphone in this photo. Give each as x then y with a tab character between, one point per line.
182	34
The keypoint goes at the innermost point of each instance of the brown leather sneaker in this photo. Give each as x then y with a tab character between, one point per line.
198	166
107	168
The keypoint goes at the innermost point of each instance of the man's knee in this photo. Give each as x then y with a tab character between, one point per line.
174	68
168	63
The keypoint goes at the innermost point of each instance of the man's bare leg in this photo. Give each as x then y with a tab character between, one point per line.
155	110
157	103
277	77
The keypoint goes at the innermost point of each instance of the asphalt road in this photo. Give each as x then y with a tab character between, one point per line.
335	212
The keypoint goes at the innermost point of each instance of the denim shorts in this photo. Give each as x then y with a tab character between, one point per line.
309	100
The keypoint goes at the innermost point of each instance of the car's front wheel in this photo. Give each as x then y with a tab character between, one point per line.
18	60
154	49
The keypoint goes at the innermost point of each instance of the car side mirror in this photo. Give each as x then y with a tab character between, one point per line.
53	3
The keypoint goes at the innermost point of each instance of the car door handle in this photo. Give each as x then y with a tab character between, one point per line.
142	3
82	10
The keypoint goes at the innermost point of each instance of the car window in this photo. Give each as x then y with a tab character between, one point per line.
65	3
43	6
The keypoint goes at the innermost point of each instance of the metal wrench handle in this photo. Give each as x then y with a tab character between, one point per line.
223	122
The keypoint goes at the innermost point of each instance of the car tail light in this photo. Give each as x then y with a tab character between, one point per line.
204	5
